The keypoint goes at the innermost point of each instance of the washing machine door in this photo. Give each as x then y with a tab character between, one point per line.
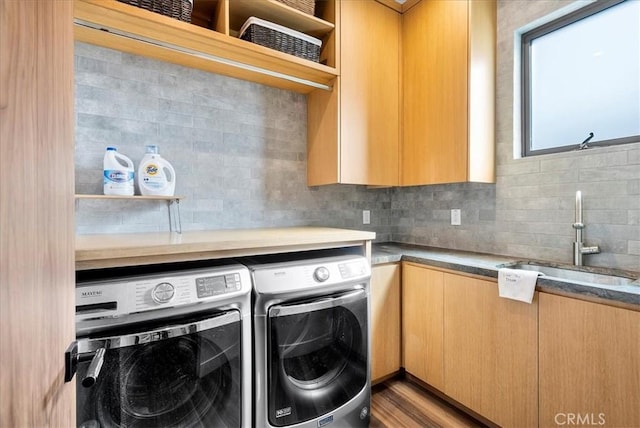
186	375
317	356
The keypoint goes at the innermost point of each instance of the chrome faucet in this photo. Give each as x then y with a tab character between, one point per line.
579	248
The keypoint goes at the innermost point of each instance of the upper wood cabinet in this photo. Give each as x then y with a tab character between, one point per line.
448	75
427	75
353	131
210	43
589	364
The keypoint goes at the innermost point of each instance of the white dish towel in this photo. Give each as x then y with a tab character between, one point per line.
517	284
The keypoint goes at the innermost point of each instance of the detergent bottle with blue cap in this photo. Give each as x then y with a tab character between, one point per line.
156	176
117	174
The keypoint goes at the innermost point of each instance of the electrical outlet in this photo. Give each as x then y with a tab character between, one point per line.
366	217
456	217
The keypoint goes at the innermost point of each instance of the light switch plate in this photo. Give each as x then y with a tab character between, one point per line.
366	217
456	217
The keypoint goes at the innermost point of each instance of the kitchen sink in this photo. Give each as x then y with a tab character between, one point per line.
583	274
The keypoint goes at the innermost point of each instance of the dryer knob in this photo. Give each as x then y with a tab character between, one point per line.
321	274
163	292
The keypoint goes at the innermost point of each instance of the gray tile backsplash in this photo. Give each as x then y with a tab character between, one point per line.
239	150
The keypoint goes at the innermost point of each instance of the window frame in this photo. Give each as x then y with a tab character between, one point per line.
525	74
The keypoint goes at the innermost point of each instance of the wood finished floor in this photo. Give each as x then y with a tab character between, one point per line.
399	403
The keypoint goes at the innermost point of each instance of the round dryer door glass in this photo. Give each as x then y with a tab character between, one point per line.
192	380
318	356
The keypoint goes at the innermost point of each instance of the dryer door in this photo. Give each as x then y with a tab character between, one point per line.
318	356
186	374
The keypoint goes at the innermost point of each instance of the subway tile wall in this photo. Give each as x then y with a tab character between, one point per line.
238	148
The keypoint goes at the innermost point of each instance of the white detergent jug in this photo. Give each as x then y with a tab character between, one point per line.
117	174
156	176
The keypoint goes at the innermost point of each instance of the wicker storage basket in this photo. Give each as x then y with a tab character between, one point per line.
178	9
281	38
306	6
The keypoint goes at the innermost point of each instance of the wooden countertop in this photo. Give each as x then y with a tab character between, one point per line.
114	250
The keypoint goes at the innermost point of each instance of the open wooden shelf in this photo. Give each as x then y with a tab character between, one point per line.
115	25
275	11
140	197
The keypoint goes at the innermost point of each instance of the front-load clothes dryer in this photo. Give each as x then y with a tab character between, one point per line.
311	339
165	349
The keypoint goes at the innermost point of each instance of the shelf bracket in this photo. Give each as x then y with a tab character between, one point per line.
175	222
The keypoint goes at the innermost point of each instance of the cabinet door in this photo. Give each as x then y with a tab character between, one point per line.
36	212
435	86
490	352
589	363
385	315
353	132
422	323
370	93
448	75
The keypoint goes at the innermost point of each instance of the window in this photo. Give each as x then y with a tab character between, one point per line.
581	79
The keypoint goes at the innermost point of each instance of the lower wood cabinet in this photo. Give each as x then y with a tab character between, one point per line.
460	337
490	351
556	362
589	364
422	324
385	315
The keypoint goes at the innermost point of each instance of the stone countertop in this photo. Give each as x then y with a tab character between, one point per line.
488	264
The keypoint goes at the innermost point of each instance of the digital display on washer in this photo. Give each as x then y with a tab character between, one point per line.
208	286
351	269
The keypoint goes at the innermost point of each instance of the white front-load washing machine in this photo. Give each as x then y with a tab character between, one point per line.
169	348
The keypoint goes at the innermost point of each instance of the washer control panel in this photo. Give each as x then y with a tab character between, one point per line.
184	290
134	294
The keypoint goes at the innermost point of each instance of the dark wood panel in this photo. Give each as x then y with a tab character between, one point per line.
400	403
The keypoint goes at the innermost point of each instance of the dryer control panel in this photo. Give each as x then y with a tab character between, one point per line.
309	274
